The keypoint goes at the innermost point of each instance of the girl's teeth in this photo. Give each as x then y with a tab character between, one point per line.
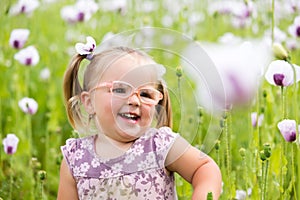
129	116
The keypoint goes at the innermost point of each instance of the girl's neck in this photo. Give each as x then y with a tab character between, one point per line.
108	148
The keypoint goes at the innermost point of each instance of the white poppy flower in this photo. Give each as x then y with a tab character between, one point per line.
256	120
81	11
280	73
28	56
24	6
230	73
10	143
88	48
28	105
294	29
287	128
18	38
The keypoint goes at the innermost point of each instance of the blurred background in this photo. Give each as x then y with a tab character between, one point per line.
232	70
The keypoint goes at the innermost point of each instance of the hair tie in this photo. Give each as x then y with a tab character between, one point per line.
86	49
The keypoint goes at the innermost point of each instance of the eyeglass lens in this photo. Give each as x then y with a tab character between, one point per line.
124	90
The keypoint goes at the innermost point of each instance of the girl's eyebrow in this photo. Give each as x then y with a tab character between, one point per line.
101	84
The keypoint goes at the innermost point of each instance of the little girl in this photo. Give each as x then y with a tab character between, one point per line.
133	154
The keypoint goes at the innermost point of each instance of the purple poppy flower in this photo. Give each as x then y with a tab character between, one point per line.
28	56
10	143
28	105
294	29
18	38
24	6
280	73
287	128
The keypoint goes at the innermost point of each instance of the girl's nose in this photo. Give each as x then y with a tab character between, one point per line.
134	100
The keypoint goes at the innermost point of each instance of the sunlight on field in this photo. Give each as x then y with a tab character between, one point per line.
232	72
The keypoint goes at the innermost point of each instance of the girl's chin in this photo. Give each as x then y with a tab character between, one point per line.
132	132
131	128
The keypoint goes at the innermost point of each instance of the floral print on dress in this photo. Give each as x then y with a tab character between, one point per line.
138	174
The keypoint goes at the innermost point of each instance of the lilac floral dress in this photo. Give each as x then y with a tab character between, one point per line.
137	174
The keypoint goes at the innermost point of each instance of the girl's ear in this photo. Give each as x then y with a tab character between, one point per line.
87	103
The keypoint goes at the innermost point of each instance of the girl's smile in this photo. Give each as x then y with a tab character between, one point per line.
130	117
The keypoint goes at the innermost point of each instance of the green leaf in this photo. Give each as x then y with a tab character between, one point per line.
209	196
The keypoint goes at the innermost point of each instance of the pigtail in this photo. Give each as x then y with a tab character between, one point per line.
72	90
164	108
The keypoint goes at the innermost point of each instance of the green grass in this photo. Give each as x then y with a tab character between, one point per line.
49	128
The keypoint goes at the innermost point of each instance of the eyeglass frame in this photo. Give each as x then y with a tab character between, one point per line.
134	90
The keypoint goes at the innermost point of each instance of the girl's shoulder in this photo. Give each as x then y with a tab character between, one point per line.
163	133
161	138
76	143
77	147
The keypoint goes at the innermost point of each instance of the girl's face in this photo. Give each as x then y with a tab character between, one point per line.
125	118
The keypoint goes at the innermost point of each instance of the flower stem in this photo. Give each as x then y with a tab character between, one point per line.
29	132
1	128
298	161
293	171
258	139
11	180
282	159
30	154
273	20
266	179
295	95
41	189
245	175
179	90
227	148
217	147
262	180
295	103
283	102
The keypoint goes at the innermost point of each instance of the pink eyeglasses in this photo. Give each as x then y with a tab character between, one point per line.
124	90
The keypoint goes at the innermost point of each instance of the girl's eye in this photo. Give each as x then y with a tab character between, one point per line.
119	90
146	94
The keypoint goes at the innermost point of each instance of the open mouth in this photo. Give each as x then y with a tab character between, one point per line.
130	116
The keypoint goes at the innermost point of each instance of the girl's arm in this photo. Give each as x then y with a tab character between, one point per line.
67	186
199	170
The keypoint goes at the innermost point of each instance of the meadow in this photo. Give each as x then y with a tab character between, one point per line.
248	123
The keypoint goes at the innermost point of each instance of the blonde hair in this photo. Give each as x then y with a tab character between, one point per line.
95	69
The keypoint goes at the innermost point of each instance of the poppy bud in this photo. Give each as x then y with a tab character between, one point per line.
279	51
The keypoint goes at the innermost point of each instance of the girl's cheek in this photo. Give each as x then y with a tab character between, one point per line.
117	103
148	111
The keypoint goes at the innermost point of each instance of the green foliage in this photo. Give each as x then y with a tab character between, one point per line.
33	172
209	196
